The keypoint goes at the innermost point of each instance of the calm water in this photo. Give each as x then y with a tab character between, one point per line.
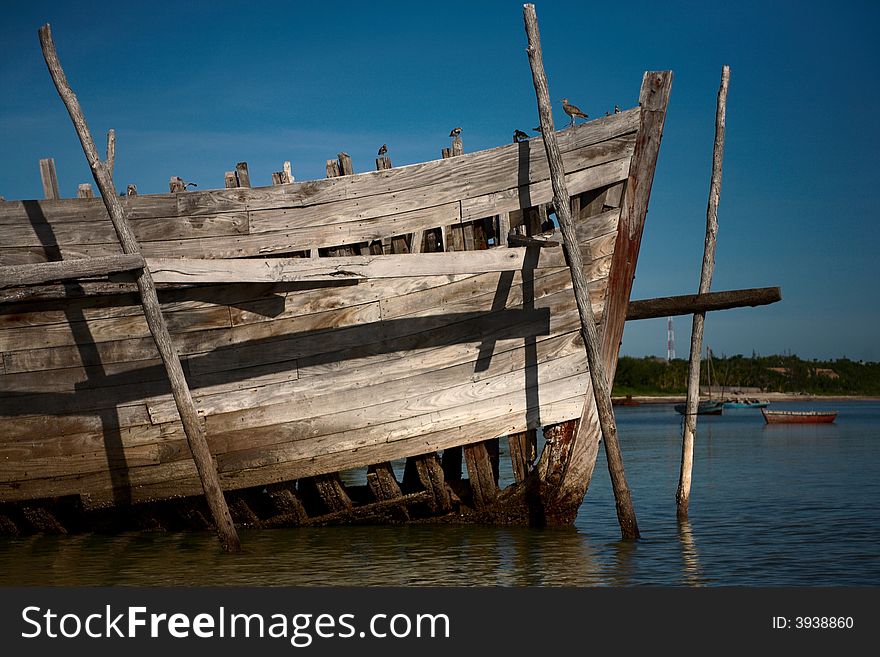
782	505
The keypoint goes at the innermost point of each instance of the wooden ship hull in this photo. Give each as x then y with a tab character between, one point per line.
388	351
799	417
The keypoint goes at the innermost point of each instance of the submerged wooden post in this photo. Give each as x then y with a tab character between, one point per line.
192	425
49	178
683	495
601	388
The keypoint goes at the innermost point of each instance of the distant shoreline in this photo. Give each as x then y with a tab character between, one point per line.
769	396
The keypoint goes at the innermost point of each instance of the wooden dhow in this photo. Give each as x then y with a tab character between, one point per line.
416	313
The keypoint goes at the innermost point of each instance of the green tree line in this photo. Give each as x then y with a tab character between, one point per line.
786	373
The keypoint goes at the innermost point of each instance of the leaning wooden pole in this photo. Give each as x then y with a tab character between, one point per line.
693	393
601	389
192	426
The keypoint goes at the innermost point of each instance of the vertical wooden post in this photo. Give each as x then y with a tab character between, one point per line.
683	495
230	180
84	190
242	175
111	150
176	185
49	178
192	424
345	166
601	389
288	174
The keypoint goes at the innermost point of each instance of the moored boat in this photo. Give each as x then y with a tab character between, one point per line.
707	407
746	403
799	417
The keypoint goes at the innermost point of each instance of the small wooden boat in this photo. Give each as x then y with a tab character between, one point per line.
708	407
799	417
746	403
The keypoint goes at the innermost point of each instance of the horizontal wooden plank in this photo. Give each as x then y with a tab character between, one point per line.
478	182
89	332
44	234
189	270
191	342
58	271
542	192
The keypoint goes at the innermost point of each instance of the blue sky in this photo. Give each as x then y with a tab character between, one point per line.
193	88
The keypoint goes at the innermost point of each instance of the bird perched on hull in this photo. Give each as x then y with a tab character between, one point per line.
617	109
455	132
572	111
383	149
519	135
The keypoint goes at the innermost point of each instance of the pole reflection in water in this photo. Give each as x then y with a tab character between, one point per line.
692	572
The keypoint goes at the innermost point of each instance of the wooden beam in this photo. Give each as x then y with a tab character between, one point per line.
84	190
688	304
45	272
683	495
561	199
230	180
287	174
267	270
50	178
192	424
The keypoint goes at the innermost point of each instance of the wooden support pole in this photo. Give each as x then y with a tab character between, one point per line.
345	166
287	173
192	425
688	304
45	272
242	175
601	388
230	180
84	190
49	178
111	150
683	495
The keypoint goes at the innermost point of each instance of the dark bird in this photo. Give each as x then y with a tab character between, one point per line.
383	150
455	132
572	111
617	109
538	130
519	135
607	113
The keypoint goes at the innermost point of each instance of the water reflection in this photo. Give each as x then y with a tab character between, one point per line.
692	574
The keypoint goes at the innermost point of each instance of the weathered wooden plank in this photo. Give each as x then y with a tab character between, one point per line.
49	177
46	272
84	190
474	192
179	478
108	330
542	192
483	487
190	270
70	234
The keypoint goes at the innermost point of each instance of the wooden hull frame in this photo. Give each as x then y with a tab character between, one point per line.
300	380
